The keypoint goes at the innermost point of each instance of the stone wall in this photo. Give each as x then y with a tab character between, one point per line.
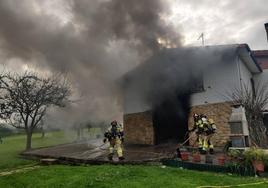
138	128
220	113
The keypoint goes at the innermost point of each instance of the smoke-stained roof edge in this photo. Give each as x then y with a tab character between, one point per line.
251	53
244	45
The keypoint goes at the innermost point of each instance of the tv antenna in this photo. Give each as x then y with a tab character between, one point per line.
202	37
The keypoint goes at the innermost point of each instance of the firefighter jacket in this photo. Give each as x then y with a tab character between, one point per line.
199	125
211	127
114	132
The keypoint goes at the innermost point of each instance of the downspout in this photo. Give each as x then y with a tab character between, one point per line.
239	72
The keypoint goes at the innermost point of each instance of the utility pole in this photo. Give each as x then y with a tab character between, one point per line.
202	37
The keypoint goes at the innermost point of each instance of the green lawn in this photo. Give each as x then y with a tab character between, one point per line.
100	176
13	145
116	176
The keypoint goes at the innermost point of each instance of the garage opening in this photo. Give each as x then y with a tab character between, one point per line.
170	119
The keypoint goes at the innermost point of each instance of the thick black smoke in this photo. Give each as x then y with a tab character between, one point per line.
173	72
95	42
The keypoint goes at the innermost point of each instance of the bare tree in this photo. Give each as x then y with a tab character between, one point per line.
254	100
24	99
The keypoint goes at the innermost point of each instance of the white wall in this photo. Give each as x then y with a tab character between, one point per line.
246	75
220	80
262	78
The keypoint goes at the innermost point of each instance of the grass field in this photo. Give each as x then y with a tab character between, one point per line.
111	176
100	176
13	145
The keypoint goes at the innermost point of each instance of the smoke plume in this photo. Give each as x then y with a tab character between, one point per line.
95	42
173	72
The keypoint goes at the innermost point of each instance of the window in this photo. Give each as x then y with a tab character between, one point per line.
197	84
236	127
237	141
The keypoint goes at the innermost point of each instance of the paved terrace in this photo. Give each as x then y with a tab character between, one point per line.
94	152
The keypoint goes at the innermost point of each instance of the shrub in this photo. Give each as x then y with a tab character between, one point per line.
254	154
4	131
235	154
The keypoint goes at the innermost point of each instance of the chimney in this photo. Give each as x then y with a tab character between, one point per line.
266	28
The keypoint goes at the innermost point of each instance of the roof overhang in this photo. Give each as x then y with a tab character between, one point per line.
247	57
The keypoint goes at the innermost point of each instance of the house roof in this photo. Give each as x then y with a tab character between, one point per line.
262	58
194	54
247	55
199	53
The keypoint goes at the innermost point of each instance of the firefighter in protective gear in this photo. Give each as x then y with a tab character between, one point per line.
200	124
210	131
115	136
199	128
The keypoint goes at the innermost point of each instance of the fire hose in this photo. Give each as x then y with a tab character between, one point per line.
229	186
180	145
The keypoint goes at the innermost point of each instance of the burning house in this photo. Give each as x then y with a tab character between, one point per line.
162	94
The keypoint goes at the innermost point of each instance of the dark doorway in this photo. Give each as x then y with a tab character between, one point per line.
170	119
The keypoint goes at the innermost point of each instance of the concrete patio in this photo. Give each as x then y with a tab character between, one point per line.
95	152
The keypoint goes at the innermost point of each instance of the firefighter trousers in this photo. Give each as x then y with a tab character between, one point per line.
202	141
209	141
116	146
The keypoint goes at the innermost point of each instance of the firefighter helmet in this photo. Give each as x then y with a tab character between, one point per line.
113	123
195	115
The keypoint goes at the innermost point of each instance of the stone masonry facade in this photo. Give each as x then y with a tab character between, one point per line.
220	113
138	128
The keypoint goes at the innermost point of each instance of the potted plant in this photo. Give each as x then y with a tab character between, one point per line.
184	156
234	156
221	160
196	156
256	157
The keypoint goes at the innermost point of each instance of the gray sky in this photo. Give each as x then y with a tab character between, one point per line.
222	21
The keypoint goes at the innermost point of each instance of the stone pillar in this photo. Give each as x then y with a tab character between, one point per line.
138	128
220	113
